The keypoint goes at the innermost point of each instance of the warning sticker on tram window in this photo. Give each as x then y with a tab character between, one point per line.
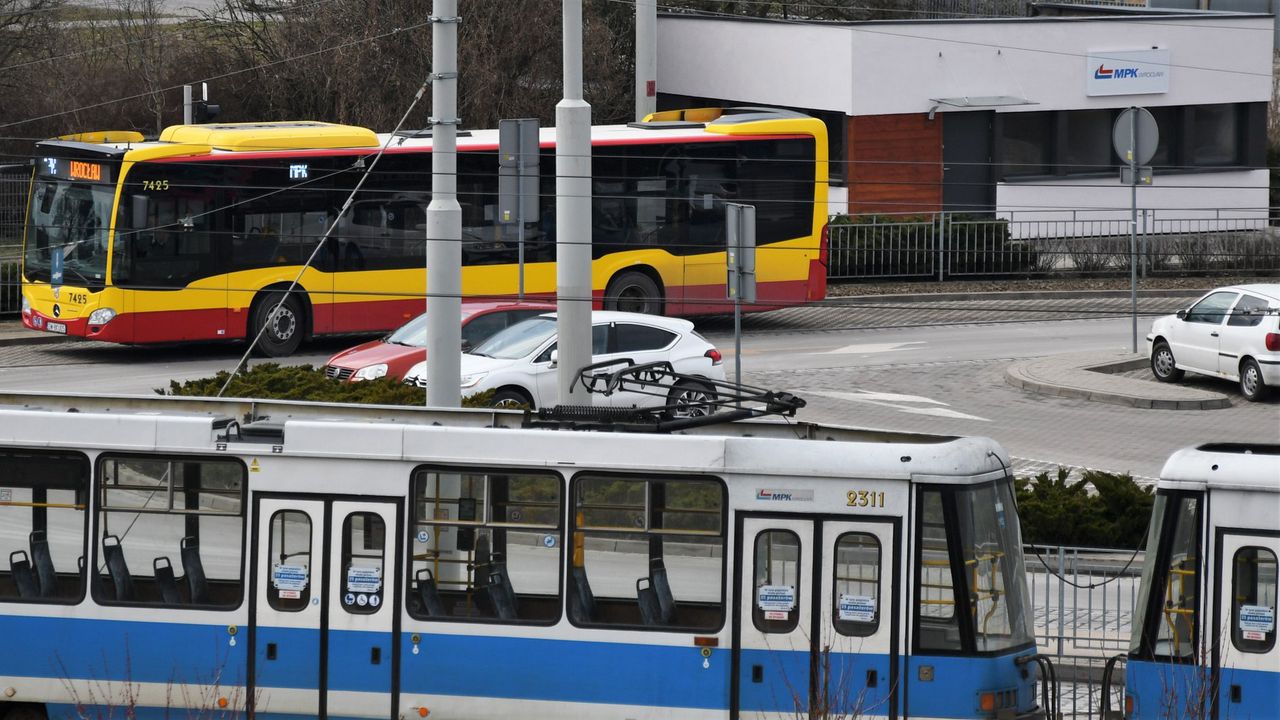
776	615
290	595
364	579
288	578
1257	618
857	608
776	597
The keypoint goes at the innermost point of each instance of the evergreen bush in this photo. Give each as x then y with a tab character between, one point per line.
1057	511
272	381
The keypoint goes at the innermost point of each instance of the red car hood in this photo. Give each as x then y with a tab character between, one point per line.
399	358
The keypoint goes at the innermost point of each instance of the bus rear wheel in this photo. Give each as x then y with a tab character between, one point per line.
633	292
283	334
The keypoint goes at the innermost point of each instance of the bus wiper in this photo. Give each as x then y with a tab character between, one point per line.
83	279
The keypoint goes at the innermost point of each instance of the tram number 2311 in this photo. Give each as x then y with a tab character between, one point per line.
865	499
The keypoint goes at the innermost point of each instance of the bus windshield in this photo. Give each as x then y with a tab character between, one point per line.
70	218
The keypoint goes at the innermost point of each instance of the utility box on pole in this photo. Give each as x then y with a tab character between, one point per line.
518	185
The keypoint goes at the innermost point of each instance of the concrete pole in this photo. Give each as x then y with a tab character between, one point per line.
444	216
573	217
646	58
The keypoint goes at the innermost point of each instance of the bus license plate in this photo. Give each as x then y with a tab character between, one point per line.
56	327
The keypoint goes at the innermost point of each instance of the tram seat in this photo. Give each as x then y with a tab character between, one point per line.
20	567
194	570
650	610
501	594
118	568
43	562
662	591
428	593
582	603
168	582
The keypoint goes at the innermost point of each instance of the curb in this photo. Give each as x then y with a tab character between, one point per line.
1012	295
1129	393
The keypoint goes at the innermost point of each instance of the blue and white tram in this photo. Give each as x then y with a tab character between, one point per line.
1204	630
334	564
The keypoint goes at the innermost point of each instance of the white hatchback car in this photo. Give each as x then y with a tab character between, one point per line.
519	363
1232	332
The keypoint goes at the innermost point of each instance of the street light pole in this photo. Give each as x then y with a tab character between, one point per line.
573	215
444	216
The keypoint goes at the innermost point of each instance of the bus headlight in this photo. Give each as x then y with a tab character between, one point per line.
26	305
371	372
472	379
101	316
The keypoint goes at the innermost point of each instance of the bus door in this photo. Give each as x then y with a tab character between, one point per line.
1246	657
325	599
814	630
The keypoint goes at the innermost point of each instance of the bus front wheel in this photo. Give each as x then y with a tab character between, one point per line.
633	292
284	331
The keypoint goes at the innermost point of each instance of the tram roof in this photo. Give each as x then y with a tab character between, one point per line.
451	436
1225	466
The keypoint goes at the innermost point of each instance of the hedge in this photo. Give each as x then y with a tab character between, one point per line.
272	381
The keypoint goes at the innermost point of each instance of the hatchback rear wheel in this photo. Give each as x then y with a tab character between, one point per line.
1252	386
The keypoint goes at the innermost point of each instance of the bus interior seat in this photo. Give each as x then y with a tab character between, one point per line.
501	594
20	566
582	603
650	611
662	591
118	568
43	562
194	570
429	593
168	582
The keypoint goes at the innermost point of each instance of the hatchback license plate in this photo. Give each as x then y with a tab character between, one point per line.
56	327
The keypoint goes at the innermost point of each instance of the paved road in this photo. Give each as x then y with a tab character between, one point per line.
929	378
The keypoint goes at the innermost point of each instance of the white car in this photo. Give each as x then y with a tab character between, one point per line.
1232	332
519	363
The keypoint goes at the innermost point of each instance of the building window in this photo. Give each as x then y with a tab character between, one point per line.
1025	141
647	552
155	509
1087	142
43	496
485	546
1214	134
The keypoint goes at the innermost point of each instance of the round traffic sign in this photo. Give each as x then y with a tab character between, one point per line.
1140	121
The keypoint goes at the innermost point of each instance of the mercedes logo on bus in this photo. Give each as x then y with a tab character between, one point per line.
57	310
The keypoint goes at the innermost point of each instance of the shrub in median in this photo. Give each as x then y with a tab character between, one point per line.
272	381
1057	511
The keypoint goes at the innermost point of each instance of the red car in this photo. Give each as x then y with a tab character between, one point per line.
393	355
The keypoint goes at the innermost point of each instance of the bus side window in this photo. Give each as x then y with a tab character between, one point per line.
155	509
1253	605
43	496
485	546
648	552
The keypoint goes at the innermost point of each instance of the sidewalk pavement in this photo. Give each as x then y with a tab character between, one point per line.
1095	376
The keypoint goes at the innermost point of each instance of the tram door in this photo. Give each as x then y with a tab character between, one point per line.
814	628
324	603
1248	656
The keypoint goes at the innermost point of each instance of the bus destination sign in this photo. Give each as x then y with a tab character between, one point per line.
68	169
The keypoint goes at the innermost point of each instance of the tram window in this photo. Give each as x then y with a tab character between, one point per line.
776	605
647	552
990	544
364	541
43	524
938	627
1176	628
1253	604
172	532
856	585
290	587
485	546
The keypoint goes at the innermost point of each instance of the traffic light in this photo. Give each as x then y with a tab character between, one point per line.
203	111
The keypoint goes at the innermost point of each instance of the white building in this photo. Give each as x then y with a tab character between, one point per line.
1012	116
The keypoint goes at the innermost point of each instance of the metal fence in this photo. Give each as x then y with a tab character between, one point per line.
942	246
13	207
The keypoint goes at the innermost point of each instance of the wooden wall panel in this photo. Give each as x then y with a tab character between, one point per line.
895	163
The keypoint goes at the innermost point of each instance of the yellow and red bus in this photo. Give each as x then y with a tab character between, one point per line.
196	235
